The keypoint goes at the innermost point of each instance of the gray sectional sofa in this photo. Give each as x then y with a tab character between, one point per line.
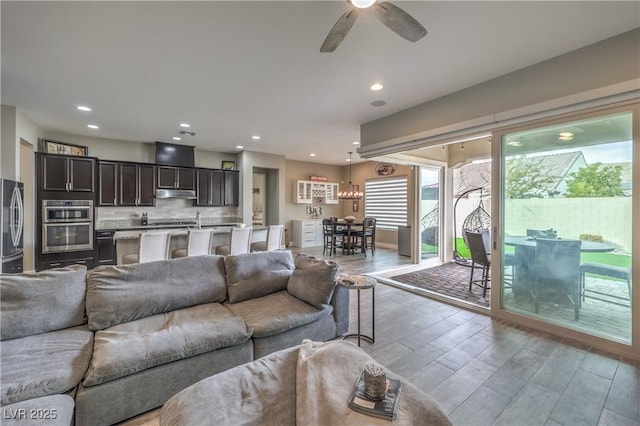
121	340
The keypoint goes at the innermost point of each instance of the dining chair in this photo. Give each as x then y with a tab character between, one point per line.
240	242
331	237
367	237
198	244
556	272
274	239
479	258
152	246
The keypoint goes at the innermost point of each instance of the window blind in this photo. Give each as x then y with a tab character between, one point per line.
386	200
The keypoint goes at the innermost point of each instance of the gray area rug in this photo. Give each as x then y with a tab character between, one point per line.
450	280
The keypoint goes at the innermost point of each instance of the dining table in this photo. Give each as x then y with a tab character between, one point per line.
348	230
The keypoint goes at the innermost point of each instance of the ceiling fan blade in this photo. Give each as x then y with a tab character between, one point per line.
400	22
339	31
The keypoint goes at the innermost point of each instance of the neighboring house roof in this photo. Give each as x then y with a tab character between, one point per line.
478	175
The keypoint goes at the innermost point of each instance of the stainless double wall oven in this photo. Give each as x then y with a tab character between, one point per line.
67	225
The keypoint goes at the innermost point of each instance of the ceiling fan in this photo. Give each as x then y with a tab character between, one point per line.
389	14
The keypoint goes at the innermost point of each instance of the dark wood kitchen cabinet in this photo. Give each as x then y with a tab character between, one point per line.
137	184
105	248
231	187
67	173
209	188
176	178
107	183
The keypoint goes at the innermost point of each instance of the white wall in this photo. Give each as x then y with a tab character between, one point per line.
602	64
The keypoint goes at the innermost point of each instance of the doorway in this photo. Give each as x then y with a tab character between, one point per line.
264	197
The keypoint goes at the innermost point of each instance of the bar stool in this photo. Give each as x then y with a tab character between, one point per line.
274	239
198	244
152	246
240	242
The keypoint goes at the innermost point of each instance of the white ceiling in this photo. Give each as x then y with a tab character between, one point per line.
234	69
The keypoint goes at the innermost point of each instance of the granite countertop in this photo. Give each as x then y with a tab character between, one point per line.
135	234
122	225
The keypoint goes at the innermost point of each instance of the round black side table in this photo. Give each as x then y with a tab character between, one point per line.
361	282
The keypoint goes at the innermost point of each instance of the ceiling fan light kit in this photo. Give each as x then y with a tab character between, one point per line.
396	19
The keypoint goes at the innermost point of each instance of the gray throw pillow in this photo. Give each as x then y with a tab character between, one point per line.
253	275
313	280
39	302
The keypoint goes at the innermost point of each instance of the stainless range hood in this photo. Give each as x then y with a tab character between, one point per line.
176	193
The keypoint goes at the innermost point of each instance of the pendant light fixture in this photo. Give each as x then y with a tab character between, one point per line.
350	191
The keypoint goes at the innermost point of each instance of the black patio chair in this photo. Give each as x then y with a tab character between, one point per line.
479	258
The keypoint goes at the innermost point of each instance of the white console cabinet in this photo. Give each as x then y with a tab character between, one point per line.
307	233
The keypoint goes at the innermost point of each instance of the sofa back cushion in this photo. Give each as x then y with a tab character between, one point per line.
252	275
314	280
39	302
119	294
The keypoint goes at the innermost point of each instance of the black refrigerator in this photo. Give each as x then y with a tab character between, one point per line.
12	218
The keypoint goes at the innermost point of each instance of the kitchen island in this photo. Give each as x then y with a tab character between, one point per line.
126	240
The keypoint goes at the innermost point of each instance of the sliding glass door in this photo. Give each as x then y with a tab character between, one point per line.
430	212
566	224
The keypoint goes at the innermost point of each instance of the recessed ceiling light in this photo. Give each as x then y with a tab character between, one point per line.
175	138
83	108
356	143
239	146
185	125
312	154
376	86
255	137
92	126
378	103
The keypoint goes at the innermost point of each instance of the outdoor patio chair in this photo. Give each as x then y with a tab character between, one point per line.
480	258
604	270
556	272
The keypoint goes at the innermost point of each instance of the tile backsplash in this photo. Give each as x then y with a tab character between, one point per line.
168	209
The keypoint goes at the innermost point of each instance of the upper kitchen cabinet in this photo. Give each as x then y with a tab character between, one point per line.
176	178
231	187
67	173
107	183
137	184
209	187
307	192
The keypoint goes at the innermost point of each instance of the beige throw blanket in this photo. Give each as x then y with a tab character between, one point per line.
309	385
325	376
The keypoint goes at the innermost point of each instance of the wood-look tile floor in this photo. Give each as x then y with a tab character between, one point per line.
483	371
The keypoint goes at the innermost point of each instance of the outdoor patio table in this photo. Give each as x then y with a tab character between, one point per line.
525	255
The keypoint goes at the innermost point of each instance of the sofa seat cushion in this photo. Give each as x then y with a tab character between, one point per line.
44	364
276	313
128	348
